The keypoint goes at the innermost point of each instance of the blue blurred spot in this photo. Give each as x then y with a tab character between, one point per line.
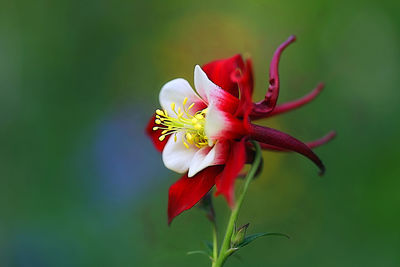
124	157
40	248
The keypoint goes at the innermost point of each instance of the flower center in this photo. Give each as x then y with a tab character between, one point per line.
191	125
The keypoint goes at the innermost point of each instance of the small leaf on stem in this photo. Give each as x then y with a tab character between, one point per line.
253	237
199	252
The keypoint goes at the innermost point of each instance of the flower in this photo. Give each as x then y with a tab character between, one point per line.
203	133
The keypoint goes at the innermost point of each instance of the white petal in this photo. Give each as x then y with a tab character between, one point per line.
202	84
208	156
175	91
176	156
215	123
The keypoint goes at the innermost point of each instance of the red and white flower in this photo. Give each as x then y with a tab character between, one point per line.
203	133
198	122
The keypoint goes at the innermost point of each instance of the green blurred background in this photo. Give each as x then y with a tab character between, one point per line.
81	185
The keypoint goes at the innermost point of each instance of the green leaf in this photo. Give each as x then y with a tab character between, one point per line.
253	237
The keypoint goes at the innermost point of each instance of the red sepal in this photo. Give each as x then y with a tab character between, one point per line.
226	182
220	71
186	192
154	135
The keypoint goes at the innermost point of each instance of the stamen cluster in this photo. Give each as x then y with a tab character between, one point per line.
191	125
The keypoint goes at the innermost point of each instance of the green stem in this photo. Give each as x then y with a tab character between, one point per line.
225	247
215	242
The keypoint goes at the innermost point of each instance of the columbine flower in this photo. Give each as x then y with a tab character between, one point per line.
203	133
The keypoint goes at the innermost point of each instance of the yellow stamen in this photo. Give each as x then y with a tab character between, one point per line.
190	125
189	137
186	145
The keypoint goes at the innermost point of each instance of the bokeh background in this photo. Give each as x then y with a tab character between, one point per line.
81	185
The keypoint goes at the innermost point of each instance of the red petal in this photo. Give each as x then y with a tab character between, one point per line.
284	141
224	101
293	104
236	160
186	192
222	125
312	144
154	135
269	102
220	71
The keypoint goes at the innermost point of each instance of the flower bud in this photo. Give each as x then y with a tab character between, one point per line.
239	235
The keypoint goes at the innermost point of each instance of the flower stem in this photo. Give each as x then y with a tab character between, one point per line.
225	247
215	242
